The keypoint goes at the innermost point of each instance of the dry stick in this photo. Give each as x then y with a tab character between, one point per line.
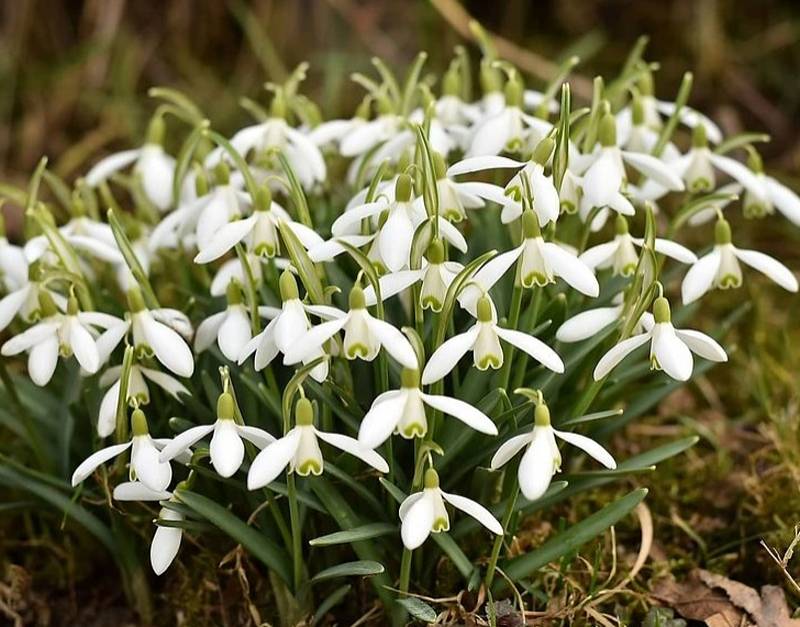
536	65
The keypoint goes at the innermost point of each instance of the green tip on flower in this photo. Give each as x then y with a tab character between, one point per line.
2	224
645	84
621	225
722	232
357	299
484	309
451	84
156	130
541	416
139	423
530	225
72	305
754	161
699	139
47	305
431	480
364	108
439	166
288	286
222	173
263	200
403	188
514	91
543	150
607	132
225	406
491	79
435	252
233	293
277	108
409	378
661	311
637	111
201	184
135	300
304	413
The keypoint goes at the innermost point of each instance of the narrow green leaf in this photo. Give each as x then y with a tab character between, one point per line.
364	532
418	609
361	568
331	601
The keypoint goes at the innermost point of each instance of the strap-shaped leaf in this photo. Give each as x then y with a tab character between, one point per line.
364	532
361	568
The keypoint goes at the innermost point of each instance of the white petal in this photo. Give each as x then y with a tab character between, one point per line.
227	448
42	361
234	333
392	284
480	163
450	233
533	346
672	354
395	343
313	340
602	180
207	331
445	358
478	189
654	169
466	413
773	268
739	172
382	419
354	448
617	353
589	446
571	269
166	382
351	219
407	503
11	304
168	346
536	468
598	255
700	277
254	435
111	164
109	340
88	465
137	491
30	337
491	135
476	510
489	274
394	240
703	345
165	545
183	441
587	323
271	461
96	248
83	346
225	239
784	199
329	249
509	448
146	465
674	250
418	523
107	416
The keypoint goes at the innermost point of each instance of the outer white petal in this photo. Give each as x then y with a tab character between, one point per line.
109	339
394	342
168	346
392	284
445	358
207	331
476	510
329	249
672	354
394	240
617	353
234	333
42	361
509	448
382	418
483	162
533	346
225	239
111	164
137	491
354	448
466	413
146	465
587	323
183	441
597	255
83	346
654	169
773	268
787	202
572	270
256	436
313	340
417	523
271	461
30	337
166	543
701	344
739	172
88	465
602	180
351	218
107	416
485	278
589	446
166	382
452	234
11	304
480	190
227	448
700	277
407	503
536	469
674	250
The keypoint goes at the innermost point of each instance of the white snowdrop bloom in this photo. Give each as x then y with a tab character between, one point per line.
436	275
364	335
226	449
24	299
138	392
155	168
483	339
570	193
509	130
230	328
403	411
299	449
13	264
333	131
542	262
57	333
620	253
144	466
288	325
141	250
542	458
590	322
402	145
721	268
670	348
423	513
85	235
365	137
157	332
604	180
259	231
714	207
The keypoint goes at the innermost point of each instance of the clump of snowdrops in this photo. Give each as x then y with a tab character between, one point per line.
356	346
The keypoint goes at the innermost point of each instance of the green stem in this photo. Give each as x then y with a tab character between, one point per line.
297	539
405	570
498	541
513	321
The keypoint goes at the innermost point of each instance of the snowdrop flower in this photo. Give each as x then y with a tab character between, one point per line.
260	231
670	348
227	448
592	321
483	339
403	411
287	326
84	235
299	449
145	465
13	264
436	275
363	336
621	255
363	138
423	513
24	300
541	263
230	328
542	458
333	131
65	334
720	268
152	165
138	392
155	333
764	194
604	179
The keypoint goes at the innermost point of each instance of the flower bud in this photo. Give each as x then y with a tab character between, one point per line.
543	150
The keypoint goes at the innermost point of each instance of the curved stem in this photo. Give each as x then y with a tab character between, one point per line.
498	541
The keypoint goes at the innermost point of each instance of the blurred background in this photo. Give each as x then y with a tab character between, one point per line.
73	85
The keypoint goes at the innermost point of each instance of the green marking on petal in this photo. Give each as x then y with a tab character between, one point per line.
309	467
